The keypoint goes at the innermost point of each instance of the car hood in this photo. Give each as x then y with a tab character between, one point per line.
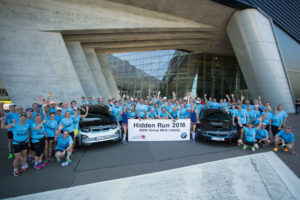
215	125
95	122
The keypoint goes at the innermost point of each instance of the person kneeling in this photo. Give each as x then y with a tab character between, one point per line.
262	137
248	136
287	139
63	146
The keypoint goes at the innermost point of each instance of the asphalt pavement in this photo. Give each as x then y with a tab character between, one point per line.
108	161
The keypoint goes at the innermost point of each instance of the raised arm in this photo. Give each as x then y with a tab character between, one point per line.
40	125
86	112
233	99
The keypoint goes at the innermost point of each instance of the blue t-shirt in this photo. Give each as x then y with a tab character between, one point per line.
131	115
20	133
76	121
252	115
51	127
288	138
250	134
36	135
116	111
276	120
84	102
283	114
52	110
9	119
214	105
261	134
174	114
182	113
151	115
141	108
68	124
269	115
243	115
62	144
232	112
68	109
163	114
58	118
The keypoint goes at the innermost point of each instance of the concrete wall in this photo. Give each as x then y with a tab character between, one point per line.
255	47
33	55
97	72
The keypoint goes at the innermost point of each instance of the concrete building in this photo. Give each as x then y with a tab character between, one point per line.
68	47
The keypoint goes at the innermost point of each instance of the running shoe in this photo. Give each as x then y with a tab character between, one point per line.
58	159
24	170
37	166
16	173
10	156
245	147
43	164
69	160
26	165
64	164
275	149
286	149
253	148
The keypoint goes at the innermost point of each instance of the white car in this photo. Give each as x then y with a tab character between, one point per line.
98	126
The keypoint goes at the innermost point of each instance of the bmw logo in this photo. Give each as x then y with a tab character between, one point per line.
183	135
143	136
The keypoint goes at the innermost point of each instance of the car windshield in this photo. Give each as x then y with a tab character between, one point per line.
97	112
214	115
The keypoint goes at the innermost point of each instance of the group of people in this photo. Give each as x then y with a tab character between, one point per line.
49	128
42	128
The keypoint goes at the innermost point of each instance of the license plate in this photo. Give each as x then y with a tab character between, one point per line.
217	139
102	138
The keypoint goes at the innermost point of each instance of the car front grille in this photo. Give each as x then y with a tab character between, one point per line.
217	134
104	128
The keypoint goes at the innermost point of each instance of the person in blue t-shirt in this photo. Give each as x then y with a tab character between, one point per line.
124	115
51	128
21	137
262	136
287	139
276	122
64	144
58	117
182	112
11	117
116	109
163	114
141	110
248	136
83	100
174	114
283	114
132	113
152	114
251	114
37	136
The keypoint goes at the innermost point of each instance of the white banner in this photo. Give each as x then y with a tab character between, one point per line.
159	130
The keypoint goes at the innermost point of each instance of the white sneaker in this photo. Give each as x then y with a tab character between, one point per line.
26	165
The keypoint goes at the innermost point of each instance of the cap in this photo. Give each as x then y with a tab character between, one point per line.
131	99
52	102
197	101
29	110
165	98
288	127
58	108
12	104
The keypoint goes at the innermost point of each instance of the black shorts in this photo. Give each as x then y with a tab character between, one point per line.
38	147
72	135
10	135
50	138
248	143
268	127
20	147
275	130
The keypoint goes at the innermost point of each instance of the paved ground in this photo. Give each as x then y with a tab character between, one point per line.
273	180
113	160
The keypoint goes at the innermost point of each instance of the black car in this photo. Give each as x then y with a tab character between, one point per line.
216	125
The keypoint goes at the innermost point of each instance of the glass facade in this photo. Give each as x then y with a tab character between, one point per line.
290	51
171	70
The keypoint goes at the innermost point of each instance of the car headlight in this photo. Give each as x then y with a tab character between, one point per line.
86	130
114	126
84	136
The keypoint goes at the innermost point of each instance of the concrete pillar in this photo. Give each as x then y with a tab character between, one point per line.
110	80
96	70
253	41
82	68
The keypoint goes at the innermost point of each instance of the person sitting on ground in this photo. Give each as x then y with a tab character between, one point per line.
248	136
262	136
64	145
287	140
